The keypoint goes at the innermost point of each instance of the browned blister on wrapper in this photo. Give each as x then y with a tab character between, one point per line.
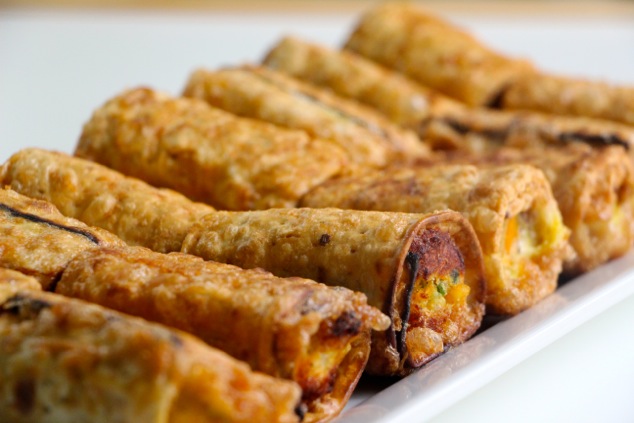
207	154
511	208
424	271
66	360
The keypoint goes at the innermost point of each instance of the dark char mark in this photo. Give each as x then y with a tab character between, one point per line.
600	139
411	260
36	219
301	411
346	324
18	304
463	129
24	394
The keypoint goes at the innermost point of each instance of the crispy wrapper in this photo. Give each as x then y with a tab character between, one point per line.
37	240
424	271
368	137
17	281
442	123
568	96
594	188
435	53
511	208
291	328
138	213
205	153
64	360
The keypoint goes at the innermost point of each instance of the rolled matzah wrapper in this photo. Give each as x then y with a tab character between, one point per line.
442	123
37	240
138	213
260	93
435	53
511	208
424	271
207	154
63	359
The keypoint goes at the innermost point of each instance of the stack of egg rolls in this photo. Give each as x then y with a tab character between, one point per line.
441	122
260	93
207	154
63	359
511	208
440	55
291	328
387	263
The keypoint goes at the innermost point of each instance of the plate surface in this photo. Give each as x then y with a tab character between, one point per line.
57	66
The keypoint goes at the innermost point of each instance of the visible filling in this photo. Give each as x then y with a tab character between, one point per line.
316	370
438	307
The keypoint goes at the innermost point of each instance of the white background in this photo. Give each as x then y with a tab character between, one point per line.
57	66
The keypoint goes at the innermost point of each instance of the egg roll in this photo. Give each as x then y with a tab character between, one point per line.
441	123
17	281
511	208
65	360
435	53
261	93
569	96
138	213
207	154
424	271
37	240
594	188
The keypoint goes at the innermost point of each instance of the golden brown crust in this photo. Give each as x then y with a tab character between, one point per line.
261	93
138	213
568	96
37	240
434	53
352	76
595	193
63	359
207	154
364	251
267	321
12	281
488	198
442	123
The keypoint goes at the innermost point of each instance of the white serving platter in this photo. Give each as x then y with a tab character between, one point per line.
571	357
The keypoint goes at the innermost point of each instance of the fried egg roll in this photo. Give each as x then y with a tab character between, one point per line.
291	328
37	240
442	123
138	213
435	53
17	281
511	208
568	96
65	360
207	154
424	271
260	93
594	188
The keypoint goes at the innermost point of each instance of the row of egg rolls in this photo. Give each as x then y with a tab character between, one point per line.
441	122
376	253
114	141
440	55
62	359
593	186
286	327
